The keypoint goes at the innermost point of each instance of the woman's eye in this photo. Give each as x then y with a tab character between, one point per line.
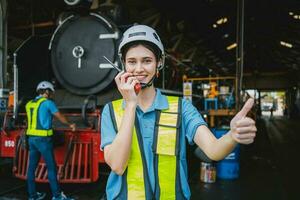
131	62
148	61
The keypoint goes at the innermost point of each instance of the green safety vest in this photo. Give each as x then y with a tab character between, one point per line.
32	108
166	153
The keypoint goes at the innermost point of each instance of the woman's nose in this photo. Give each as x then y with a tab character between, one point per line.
139	67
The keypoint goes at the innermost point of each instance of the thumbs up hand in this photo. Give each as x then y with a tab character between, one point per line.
242	128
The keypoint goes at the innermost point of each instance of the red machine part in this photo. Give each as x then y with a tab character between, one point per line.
77	158
80	166
8	138
8	143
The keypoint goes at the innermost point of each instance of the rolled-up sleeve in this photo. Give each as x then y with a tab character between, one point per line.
108	132
191	120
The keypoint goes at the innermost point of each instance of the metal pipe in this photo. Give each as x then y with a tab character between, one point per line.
3	43
16	86
239	51
211	78
16	79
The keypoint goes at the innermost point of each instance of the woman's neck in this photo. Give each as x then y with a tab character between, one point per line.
146	97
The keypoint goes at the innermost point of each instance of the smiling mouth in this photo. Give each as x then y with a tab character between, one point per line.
140	77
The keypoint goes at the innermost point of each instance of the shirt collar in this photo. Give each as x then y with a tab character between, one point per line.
38	97
160	102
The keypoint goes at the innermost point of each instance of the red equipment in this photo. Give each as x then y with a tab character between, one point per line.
77	158
72	58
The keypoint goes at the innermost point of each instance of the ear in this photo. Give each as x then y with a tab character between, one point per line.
157	73
159	63
47	92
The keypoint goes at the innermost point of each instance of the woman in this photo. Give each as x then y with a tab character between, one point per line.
143	135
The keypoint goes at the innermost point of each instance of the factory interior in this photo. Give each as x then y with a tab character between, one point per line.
218	55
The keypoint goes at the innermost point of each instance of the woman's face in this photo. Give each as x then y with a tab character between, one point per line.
141	62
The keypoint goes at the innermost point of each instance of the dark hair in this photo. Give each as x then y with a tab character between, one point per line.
43	91
155	50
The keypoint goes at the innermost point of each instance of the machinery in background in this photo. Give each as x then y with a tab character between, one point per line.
218	107
218	102
71	58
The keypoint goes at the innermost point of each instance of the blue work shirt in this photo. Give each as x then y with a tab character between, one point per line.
191	120
45	113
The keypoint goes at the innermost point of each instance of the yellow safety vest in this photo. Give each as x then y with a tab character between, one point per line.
32	108
166	151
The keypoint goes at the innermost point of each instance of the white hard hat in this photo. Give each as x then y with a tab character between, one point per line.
45	85
142	33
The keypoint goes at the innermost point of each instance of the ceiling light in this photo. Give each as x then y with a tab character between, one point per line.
220	21
226	35
289	45
286	44
291	13
231	46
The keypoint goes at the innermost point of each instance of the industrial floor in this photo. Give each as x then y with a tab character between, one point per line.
269	169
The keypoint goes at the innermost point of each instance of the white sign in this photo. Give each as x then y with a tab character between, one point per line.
187	90
9	143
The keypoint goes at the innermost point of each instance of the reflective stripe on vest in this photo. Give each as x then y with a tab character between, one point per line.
32	108
165	146
135	168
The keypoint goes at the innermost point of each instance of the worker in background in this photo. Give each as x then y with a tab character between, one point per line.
271	111
144	134
40	113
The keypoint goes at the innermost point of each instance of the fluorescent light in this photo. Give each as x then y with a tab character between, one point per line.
226	35
231	46
220	21
286	44
289	45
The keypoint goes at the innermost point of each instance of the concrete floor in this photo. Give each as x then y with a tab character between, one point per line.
269	168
